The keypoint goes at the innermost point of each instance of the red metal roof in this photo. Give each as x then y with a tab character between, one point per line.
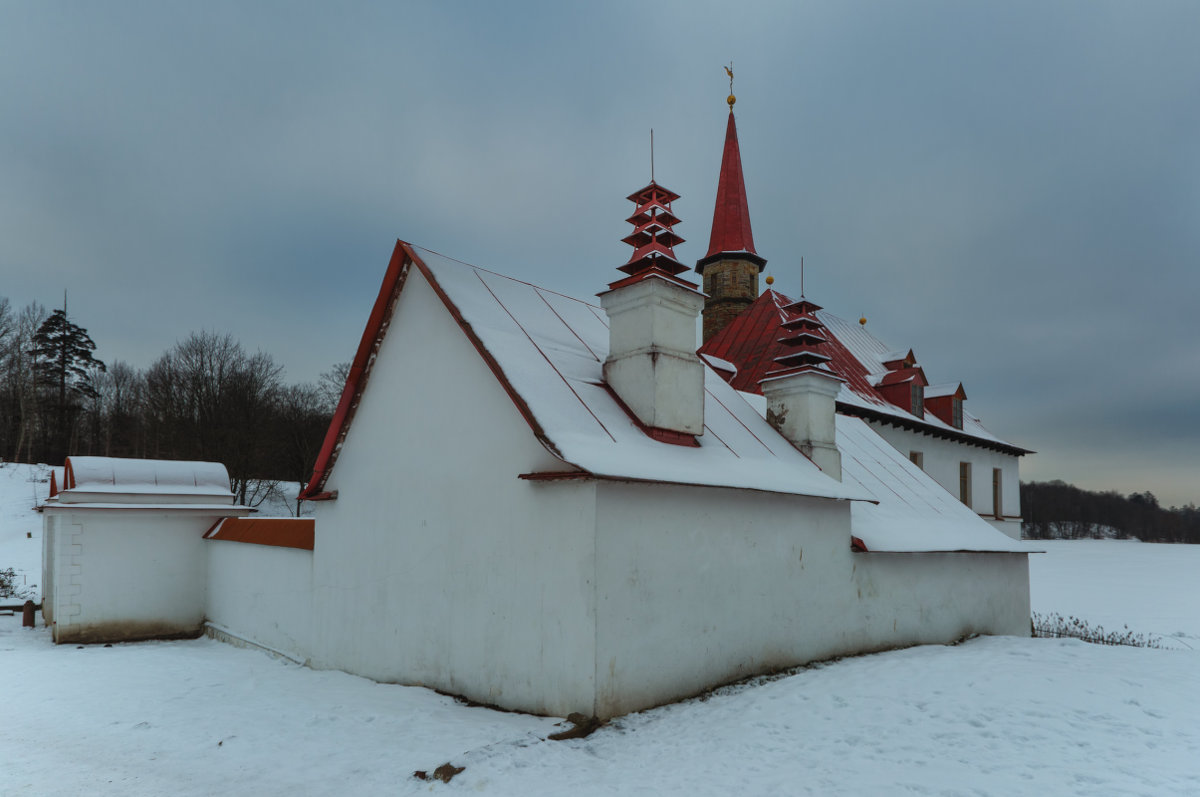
731	215
284	532
753	341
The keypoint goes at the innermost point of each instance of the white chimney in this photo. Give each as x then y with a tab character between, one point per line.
802	407
802	394
652	364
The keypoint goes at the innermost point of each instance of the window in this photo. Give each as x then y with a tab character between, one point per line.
956	410
918	400
964	482
997	496
917	458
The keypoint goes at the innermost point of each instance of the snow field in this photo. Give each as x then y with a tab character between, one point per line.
992	716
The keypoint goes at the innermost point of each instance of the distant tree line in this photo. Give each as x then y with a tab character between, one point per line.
1056	510
206	398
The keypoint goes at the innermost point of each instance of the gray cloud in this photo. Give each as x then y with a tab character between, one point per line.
1010	189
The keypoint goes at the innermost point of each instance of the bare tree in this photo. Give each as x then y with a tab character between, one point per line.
21	386
207	399
331	384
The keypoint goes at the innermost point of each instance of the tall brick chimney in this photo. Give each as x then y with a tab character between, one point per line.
731	267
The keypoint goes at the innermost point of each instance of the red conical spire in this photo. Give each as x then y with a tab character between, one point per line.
731	216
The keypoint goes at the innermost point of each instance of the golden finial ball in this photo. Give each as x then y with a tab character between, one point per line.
732	99
863	321
770	280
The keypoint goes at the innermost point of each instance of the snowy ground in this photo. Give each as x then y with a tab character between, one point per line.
1149	587
996	716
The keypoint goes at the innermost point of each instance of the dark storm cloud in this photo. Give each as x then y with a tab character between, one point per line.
1010	189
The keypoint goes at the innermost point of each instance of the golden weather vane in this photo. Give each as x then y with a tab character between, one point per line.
732	99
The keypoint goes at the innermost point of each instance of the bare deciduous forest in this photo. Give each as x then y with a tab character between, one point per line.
1057	510
205	398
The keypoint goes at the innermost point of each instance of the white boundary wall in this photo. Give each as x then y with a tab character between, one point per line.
702	586
261	593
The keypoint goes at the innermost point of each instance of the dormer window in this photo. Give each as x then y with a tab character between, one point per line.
945	402
918	401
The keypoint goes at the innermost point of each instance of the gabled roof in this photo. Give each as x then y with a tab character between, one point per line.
547	351
752	342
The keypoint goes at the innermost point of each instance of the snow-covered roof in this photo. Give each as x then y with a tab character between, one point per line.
938	391
115	480
914	513
911	513
548	352
718	364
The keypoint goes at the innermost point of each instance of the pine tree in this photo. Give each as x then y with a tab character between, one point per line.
62	355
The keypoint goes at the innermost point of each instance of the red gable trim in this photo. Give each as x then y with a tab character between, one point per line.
403	256
281	532
356	379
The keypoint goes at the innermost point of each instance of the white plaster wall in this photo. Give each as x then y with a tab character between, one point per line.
262	593
50	523
942	458
916	598
436	565
697	586
126	574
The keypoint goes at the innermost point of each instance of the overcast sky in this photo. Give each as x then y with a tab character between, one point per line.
1011	189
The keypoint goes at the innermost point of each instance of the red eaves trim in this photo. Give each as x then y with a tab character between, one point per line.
858	546
661	435
652	272
356	379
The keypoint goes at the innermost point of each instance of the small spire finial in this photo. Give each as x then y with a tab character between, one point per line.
652	154
732	99
801	276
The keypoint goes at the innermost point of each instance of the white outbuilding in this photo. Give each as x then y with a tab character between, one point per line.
123	554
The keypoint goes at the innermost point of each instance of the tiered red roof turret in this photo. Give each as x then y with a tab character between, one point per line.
804	342
653	238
